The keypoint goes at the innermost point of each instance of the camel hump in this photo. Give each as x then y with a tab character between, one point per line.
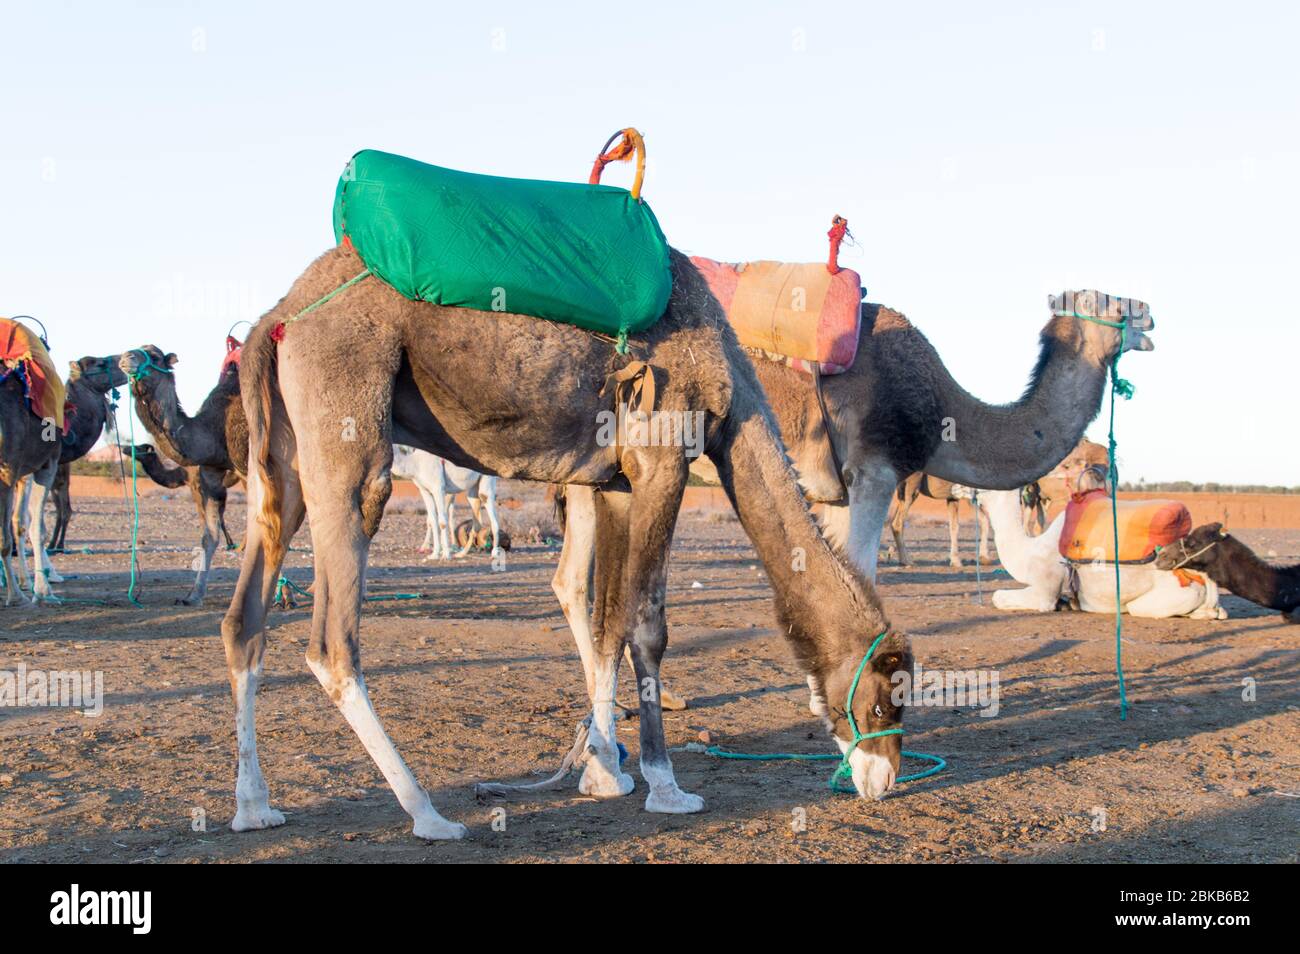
799	313
586	255
22	353
1088	535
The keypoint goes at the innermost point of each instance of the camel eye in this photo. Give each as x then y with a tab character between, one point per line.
878	711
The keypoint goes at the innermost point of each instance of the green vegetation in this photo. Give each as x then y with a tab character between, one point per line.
1188	487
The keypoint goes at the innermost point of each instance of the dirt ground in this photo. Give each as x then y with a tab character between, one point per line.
478	679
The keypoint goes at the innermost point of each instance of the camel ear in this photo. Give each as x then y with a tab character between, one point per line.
895	653
171	360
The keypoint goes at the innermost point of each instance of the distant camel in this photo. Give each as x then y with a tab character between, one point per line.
936	489
167	474
438	482
1211	550
1145	590
215	440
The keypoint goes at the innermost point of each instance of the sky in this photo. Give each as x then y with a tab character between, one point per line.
168	169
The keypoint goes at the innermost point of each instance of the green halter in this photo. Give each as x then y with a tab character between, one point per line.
845	770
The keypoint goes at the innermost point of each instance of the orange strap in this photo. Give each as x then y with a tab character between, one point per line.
630	144
839	229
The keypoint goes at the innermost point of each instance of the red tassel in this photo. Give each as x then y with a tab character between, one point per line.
839	228
277	333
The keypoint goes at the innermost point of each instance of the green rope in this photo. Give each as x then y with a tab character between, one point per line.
284	583
321	301
140	372
1125	389
843	772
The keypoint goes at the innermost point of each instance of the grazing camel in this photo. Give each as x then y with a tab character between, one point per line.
215	441
438	482
1146	590
391	367
1211	550
936	489
164	473
26	449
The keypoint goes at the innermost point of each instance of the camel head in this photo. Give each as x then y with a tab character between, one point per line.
878	703
100	374
1100	341
146	366
1196	551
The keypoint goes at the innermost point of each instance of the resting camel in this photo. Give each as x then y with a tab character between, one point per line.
215	441
394	369
1211	550
936	489
25	450
1146	590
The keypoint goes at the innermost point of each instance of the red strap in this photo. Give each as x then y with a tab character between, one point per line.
839	228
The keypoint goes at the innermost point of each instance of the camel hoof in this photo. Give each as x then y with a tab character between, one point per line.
54	577
670	702
188	601
436	828
673	801
255	818
598	782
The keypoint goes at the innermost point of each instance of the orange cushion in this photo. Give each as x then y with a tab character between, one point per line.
1143	525
21	349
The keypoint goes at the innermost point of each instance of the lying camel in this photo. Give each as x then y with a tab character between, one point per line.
1211	550
1145	589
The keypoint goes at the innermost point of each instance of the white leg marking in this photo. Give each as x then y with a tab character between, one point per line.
354	702
252	804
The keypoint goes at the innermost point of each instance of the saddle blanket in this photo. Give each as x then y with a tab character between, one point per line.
23	353
799	313
588	255
1088	536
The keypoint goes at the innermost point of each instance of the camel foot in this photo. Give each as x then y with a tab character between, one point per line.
598	782
190	600
670	702
673	801
256	817
955	564
433	827
54	577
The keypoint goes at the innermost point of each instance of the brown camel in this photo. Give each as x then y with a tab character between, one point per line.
369	367
164	473
215	441
936	489
28	446
897	411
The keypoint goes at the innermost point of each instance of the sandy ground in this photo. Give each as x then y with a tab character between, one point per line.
478	679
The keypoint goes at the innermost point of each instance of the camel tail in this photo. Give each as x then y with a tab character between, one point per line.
257	374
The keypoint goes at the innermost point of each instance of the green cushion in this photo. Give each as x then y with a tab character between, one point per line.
591	256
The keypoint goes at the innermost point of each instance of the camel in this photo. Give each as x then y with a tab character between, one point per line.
936	489
27	449
167	474
1034	504
1145	589
391	368
897	411
1211	550
215	441
438	482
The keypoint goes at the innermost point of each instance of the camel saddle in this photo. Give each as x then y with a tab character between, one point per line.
587	255
802	314
1144	525
22	353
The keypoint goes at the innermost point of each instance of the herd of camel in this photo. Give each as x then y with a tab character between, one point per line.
310	415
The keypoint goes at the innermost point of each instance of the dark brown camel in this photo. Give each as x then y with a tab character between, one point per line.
215	441
1211	550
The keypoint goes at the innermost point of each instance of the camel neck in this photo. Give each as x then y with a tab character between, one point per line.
1242	571
86	421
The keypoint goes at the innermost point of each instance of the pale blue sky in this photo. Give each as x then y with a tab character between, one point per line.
168	168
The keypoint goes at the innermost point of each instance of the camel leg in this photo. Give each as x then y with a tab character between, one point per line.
346	493
1210	608
206	491
12	591
42	570
869	494
658	481
22	496
1165	598
244	637
602	777
983	529
430	520
62	494
954	533
898	524
444	514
